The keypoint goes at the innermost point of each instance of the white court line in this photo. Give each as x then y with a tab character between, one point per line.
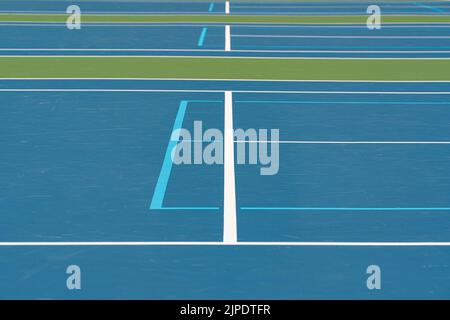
321	14
109	49
236	80
218	244
254	25
227	38
249	57
227	35
227	7
229	197
303	7
335	142
345	142
238	91
335	36
112	13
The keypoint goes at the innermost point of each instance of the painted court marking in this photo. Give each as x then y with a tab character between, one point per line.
164	174
211	7
201	40
229	197
236	91
219	244
234	80
405	209
425	6
342	142
163	179
227	38
334	36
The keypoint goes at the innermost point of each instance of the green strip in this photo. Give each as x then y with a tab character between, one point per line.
223	68
220	18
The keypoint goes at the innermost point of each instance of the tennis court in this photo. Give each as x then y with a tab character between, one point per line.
87	177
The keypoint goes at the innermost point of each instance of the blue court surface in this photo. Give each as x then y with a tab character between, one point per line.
86	178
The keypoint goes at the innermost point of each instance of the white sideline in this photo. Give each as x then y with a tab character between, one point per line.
218	244
227	38
229	190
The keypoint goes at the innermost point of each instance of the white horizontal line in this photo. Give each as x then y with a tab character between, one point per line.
248	13
236	80
321	14
304	12
223	56
112	13
242	91
106	90
197	243
350	25
348	51
344	142
109	49
301	6
335	36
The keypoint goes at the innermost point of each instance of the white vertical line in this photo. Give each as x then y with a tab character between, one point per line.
227	38
227	7
229	191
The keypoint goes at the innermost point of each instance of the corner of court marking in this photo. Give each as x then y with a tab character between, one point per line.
229	198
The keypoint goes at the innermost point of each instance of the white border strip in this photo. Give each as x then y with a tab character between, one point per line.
238	244
267	57
236	80
238	91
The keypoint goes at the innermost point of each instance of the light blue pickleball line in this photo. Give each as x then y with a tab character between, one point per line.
201	40
164	175
423	5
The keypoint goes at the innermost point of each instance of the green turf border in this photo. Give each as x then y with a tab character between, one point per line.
224	68
230	19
